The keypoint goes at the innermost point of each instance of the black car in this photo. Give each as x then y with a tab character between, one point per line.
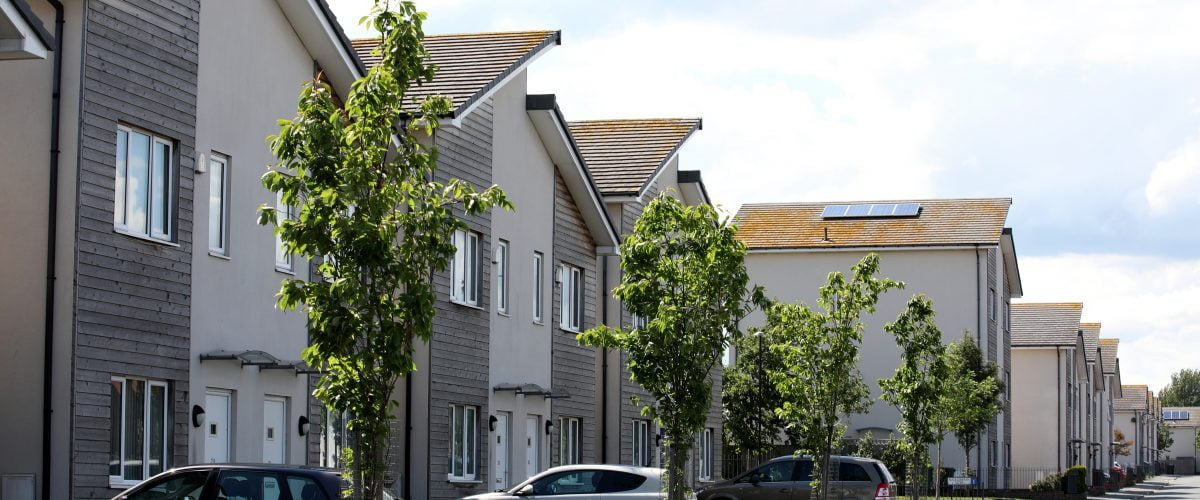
239	482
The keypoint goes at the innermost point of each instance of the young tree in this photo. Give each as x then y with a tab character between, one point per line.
1184	389
749	398
684	271
976	394
916	389
380	227
820	379
1121	445
1165	438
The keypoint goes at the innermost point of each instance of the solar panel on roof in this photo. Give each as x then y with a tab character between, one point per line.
1176	415
871	210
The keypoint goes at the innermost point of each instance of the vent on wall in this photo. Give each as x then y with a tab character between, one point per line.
18	487
871	210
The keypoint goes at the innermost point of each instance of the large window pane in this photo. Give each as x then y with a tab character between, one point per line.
122	165
216	204
158	424
138	183
469	451
116	399
456	441
135	428
159	200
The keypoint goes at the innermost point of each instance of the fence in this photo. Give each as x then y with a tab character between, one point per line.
1022	477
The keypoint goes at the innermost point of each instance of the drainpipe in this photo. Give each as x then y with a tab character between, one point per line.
51	246
1059	410
604	363
406	484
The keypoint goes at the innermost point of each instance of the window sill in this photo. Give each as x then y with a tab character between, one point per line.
569	330
122	484
142	237
464	304
465	483
503	313
539	323
285	270
218	255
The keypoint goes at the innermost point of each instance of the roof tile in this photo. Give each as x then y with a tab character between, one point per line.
623	155
468	64
1091	340
1108	354
945	222
1045	324
1136	397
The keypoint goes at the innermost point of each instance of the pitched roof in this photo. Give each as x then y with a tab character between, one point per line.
1136	398
1091	340
949	222
1193	419
1108	355
624	155
1045	324
469	65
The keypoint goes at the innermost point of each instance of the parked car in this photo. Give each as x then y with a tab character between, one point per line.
586	481
789	478
240	482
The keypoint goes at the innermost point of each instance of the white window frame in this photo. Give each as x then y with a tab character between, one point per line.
333	438
119	427
641	443
538	286
705	455
121	207
569	451
991	305
502	277
468	453
464	274
284	261
218	169
570	310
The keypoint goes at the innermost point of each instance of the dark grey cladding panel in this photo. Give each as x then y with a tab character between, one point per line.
132	296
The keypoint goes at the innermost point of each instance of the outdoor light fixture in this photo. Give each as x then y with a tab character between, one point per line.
197	416
549	427
492	423
658	440
303	425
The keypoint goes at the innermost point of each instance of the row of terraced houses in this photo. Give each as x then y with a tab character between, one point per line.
131	127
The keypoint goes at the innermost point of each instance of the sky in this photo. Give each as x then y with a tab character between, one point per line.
1086	114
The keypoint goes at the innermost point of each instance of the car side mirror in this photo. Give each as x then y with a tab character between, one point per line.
525	491
755	478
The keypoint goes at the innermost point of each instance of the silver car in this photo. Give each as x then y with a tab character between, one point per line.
586	482
789	478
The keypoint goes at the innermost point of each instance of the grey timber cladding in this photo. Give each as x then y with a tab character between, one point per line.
630	211
458	354
993	434
572	366
133	296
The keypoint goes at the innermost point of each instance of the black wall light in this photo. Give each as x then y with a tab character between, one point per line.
549	427
197	416
303	425
492	423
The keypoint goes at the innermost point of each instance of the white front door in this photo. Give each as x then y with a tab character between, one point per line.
500	465
216	426
274	430
531	445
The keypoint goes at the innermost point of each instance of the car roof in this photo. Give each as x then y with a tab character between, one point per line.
263	467
645	471
843	458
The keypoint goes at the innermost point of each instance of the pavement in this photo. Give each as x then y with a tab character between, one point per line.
1163	487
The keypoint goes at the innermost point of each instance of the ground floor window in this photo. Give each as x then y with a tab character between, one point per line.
138	440
333	439
464	427
641	443
568	441
704	452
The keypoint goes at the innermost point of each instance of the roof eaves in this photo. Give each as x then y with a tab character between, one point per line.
810	248
641	192
693	177
1015	289
34	23
340	33
512	70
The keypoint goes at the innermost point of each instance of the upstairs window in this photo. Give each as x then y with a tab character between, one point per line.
502	277
464	276
218	203
144	184
538	276
284	260
991	304
571	298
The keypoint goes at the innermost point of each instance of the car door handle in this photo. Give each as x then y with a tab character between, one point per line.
785	490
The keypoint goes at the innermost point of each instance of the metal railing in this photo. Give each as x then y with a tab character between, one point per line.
1021	477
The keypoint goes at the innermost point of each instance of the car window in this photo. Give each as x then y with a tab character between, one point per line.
616	481
576	482
884	473
248	485
852	472
804	470
183	486
773	472
305	488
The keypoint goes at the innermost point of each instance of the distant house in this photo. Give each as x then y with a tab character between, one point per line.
1184	424
1137	417
1050	382
956	251
1111	366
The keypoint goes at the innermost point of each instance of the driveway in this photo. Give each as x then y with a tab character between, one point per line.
1159	488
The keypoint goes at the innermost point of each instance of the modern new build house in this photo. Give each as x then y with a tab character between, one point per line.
1137	415
1111	366
1184	424
956	251
633	161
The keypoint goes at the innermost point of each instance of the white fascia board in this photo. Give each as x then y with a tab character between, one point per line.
658	173
910	248
693	194
25	43
558	144
1008	249
456	122
323	42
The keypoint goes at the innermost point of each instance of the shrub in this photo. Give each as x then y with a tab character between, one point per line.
1052	482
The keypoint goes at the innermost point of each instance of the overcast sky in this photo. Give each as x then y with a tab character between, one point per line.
1086	114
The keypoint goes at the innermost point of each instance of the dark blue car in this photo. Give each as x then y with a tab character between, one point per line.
239	482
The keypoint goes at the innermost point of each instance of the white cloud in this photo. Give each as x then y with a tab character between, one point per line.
1176	180
1147	302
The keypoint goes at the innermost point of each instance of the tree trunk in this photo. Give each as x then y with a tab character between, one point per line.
915	477
676	487
937	486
